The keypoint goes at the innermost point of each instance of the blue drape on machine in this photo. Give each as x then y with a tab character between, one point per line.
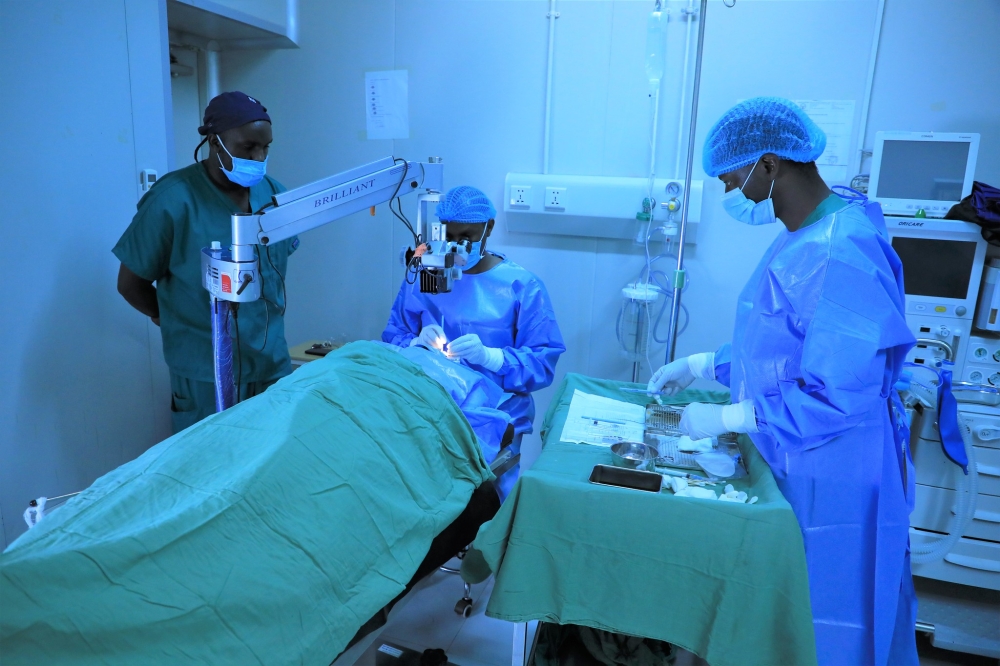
222	354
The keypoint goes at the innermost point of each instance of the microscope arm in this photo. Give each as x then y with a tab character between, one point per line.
232	274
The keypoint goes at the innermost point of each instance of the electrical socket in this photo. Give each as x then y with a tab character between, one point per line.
519	196
555	198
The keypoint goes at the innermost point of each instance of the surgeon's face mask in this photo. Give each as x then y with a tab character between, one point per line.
747	211
476	250
245	172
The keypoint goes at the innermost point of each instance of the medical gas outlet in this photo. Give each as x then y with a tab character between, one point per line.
598	206
982	364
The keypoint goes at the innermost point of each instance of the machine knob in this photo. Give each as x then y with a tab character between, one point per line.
960	311
943	332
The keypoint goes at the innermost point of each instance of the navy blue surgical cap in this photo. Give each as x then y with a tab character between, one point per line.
758	126
229	110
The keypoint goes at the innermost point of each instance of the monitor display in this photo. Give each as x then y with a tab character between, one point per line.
935	268
923	170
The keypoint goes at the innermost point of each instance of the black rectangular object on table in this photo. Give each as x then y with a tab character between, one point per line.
319	350
606	475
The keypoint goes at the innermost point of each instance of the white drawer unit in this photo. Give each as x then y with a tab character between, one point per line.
975	559
934	512
970	562
934	469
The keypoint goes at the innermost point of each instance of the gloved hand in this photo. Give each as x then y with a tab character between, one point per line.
472	350
701	420
431	336
674	377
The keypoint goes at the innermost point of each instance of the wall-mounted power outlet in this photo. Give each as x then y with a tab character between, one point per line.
595	206
555	198
519	196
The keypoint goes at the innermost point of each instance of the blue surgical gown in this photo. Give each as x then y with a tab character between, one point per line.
819	341
508	308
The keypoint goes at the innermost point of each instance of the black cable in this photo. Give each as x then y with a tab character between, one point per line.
269	204
198	147
395	195
284	293
411	270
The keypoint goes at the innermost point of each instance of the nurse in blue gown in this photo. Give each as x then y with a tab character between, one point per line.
819	341
497	319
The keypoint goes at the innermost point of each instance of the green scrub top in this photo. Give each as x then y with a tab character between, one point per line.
183	213
827	206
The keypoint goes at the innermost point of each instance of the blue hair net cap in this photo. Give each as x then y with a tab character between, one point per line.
758	126
465	204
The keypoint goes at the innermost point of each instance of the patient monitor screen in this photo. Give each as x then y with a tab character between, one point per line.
935	268
924	170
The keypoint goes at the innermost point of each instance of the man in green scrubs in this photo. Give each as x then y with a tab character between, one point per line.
181	214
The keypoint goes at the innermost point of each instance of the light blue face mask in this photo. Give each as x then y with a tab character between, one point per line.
245	172
747	211
476	251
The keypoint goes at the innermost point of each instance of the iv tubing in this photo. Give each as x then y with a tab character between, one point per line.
675	305
552	16
652	150
965	507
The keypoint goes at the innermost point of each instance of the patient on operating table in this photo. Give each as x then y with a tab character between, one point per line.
270	532
497	320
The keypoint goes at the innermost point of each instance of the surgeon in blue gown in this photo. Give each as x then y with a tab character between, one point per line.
819	341
497	319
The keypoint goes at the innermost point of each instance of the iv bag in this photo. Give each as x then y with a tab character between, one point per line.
656	46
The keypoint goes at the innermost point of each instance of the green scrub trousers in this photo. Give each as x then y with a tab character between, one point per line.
191	400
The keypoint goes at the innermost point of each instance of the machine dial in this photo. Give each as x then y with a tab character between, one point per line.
976	376
981	353
673	189
995	379
996	356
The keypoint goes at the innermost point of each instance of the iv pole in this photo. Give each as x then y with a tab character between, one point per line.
679	275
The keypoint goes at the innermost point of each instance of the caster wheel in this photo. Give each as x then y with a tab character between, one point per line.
464	607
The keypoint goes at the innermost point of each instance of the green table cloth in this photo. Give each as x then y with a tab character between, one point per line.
726	581
266	534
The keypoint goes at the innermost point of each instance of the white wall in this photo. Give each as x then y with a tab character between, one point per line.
187	108
82	381
476	72
938	68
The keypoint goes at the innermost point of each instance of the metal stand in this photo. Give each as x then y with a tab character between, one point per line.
675	306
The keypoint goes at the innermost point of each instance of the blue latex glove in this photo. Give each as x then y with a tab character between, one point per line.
676	376
471	349
431	336
701	420
672	378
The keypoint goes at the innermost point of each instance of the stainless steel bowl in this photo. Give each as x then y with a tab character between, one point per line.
633	455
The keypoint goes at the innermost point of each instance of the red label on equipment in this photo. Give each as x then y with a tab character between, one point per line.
227	284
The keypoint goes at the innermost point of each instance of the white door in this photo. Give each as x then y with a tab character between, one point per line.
84	105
